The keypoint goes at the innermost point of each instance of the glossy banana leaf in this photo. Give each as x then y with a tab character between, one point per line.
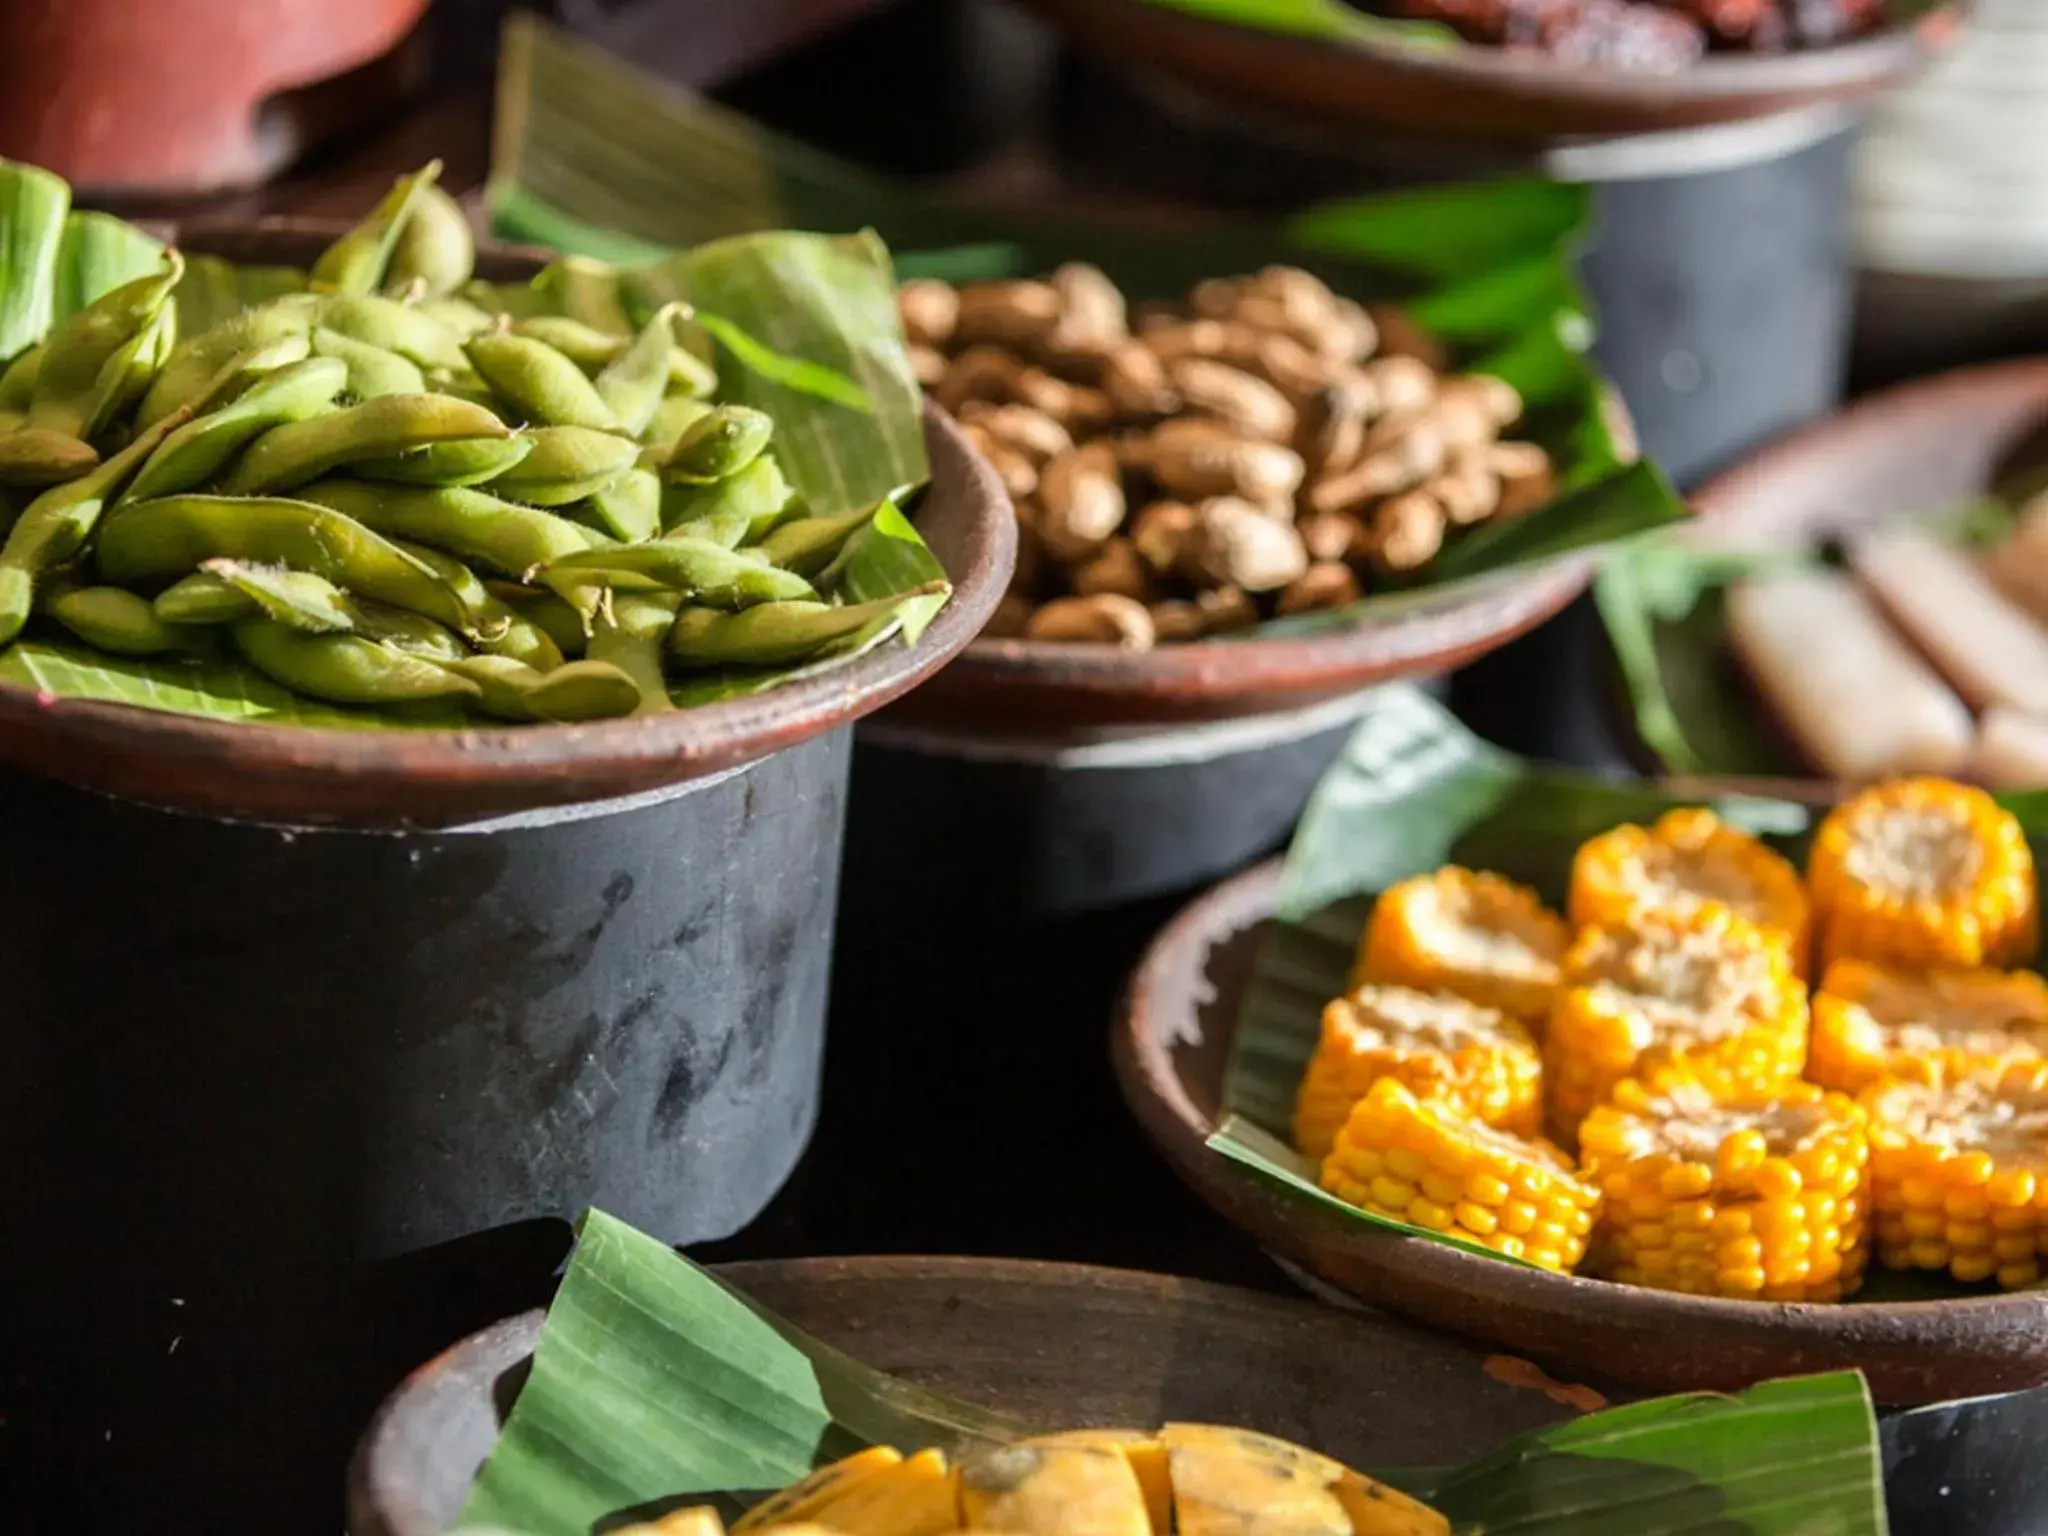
1331	19
1414	790
596	156
655	1387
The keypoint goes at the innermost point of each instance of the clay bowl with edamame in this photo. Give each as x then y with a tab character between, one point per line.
427	776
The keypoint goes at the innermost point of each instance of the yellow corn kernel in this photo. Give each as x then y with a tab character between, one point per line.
1704	985
1477	936
1764	1225
1872	1022
1688	860
1546	1218
1947	1161
1434	1043
1919	873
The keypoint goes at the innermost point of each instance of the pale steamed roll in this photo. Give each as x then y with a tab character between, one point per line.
2020	565
2011	751
1990	650
1856	699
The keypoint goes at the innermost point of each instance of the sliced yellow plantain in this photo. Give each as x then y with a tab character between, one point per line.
1232	1482
801	1501
1147	1458
697	1520
1053	1490
1377	1510
919	1496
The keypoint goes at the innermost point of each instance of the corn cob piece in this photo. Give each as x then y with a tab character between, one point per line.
1472	934
1716	1187
1690	858
1923	872
1435	1044
1872	1022
1431	1164
1704	985
1959	1174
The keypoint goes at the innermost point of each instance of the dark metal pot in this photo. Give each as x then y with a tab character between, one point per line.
316	1040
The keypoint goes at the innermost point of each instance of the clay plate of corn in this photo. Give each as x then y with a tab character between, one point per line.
1686	1093
1048	1400
1867	599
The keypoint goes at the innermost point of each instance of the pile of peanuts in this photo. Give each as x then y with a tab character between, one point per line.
1181	472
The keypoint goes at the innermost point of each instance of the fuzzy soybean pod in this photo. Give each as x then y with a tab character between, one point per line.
774	634
722	442
566	464
436	249
809	544
675	414
194	453
356	263
67	385
499	536
301	451
538	381
634	384
457	314
113	620
494	625
395	327
573	691
204	598
627	633
462	461
127	373
18	379
37	456
372	371
707	573
587	290
629	508
587	347
547	611
53	528
345	669
300	600
758	496
151	542
238	375
191	372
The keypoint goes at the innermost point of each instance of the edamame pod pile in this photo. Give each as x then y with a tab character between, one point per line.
401	484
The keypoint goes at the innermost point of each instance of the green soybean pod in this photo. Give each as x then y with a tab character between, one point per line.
127	373
566	464
759	495
11	503
456	314
628	509
546	611
356	262
239	373
775	634
53	528
203	598
68	381
37	456
516	301
300	600
396	327
675	414
722	442
587	347
634	383
195	452
344	669
18	379
710	574
461	461
539	381
191	373
436	250
494	626
571	692
300	451
628	634
497	535
413	633
147	542
110	619
809	544
587	290
372	371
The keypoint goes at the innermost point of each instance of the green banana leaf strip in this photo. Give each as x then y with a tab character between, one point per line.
1330	19
1414	790
654	1386
33	206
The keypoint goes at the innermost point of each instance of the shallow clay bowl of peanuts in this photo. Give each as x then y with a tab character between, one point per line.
1478	92
1262	449
1100	1346
436	776
1172	1045
1924	448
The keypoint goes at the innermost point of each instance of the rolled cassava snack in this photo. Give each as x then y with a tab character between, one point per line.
1854	698
2020	565
1992	651
2011	751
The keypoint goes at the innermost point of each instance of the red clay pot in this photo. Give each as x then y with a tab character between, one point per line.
163	97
